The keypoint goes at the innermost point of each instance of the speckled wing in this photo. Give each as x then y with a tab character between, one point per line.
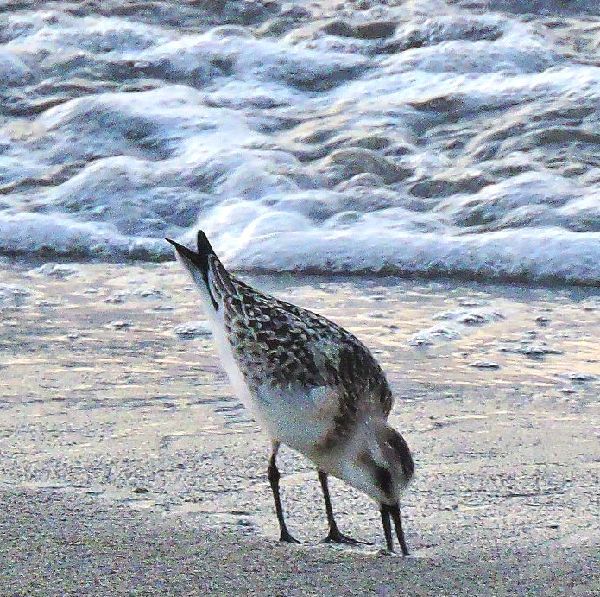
291	349
360	384
292	346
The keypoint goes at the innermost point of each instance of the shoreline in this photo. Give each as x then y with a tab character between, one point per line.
24	261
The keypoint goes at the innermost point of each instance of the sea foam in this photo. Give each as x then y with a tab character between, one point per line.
431	137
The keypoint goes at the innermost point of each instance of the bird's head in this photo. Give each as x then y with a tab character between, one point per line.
379	463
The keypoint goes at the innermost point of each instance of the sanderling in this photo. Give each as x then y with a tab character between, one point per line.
312	386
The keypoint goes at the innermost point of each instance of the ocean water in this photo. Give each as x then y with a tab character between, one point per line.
457	137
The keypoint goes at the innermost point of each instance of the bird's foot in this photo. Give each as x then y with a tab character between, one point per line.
287	538
337	537
393	552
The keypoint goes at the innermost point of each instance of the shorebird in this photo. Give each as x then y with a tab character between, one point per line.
311	385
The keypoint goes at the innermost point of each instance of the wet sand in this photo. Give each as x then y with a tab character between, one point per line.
126	466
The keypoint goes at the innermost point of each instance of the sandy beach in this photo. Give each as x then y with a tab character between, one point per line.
127	467
435	162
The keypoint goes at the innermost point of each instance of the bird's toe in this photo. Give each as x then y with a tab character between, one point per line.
287	538
340	538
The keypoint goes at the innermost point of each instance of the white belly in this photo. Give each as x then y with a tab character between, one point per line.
229	364
299	419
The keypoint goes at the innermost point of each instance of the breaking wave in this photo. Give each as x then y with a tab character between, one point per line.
430	137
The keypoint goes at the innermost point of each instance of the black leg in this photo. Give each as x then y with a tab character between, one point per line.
395	511
334	533
387	527
274	477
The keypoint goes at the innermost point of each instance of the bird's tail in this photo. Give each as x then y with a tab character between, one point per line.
206	269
